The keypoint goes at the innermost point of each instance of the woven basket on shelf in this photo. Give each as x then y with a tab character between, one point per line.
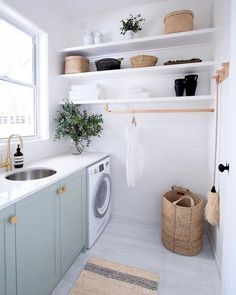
140	61
182	221
179	21
76	64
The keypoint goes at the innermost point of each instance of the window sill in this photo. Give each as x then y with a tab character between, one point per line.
3	142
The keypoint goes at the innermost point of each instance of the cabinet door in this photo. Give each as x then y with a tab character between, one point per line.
72	218
37	244
7	253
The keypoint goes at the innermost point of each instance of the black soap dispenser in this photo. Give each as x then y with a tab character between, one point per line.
18	158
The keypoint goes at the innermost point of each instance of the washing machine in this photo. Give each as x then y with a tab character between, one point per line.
98	199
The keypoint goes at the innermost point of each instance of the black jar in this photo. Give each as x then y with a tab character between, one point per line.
191	84
179	87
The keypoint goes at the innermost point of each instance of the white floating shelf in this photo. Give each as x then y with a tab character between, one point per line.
196	37
198	98
181	69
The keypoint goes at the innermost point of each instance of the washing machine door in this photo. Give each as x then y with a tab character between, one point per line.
103	195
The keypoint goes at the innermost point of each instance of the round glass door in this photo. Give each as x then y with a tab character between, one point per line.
103	195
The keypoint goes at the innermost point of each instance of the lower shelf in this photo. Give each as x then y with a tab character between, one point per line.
148	100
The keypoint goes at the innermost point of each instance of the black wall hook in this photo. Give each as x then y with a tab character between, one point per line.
222	167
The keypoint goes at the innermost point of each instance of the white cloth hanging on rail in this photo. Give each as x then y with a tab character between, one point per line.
133	159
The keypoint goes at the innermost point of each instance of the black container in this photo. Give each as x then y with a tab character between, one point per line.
18	158
107	64
179	87
191	84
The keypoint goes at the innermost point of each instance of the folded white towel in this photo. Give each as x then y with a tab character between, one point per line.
134	162
86	92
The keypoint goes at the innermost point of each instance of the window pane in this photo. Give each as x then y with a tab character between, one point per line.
16	53
16	110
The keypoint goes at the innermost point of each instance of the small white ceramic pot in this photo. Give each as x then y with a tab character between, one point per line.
129	35
98	37
88	38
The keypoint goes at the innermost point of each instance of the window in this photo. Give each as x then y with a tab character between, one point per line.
22	78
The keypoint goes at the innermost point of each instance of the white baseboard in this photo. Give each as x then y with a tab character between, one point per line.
136	219
212	244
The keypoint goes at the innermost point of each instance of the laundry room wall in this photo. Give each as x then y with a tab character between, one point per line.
55	23
175	146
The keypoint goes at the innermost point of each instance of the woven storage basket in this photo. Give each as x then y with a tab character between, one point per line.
182	221
76	64
179	21
139	61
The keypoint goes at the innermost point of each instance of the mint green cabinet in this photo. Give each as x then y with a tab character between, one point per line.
7	252
37	243
45	235
72	218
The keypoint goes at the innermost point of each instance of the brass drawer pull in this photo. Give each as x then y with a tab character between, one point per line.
13	220
64	188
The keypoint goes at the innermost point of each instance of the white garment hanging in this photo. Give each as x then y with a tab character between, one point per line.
133	158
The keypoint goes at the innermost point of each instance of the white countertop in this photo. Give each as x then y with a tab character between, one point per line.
65	165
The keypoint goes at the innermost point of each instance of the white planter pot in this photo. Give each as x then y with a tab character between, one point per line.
98	37
88	38
130	35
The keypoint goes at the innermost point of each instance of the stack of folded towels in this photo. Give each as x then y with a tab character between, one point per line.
86	92
134	92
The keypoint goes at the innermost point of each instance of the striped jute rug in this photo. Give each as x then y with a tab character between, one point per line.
103	277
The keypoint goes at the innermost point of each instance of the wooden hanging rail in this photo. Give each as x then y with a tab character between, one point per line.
132	111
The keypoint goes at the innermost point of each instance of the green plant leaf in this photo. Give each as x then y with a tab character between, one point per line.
77	125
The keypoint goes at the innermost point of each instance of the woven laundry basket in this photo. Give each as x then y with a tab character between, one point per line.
142	60
182	221
76	64
179	21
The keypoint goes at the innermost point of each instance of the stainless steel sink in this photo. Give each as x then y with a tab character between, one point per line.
31	174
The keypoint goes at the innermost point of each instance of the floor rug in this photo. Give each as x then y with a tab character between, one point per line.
103	277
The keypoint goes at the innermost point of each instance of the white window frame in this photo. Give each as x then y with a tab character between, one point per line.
40	65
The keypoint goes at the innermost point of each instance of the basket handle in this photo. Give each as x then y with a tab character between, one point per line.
185	197
179	188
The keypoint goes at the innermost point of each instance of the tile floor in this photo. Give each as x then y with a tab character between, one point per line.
140	245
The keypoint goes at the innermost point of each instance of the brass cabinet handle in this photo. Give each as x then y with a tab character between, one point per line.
64	188
13	220
60	191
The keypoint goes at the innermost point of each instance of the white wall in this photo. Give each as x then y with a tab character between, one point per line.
176	146
48	15
222	12
153	13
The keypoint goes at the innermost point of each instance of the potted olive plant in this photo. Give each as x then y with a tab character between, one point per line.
78	126
131	26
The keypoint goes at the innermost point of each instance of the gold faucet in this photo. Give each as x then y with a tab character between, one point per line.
7	164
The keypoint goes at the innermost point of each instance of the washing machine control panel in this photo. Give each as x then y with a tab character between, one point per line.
99	168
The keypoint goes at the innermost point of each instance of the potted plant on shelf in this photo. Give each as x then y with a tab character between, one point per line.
131	26
78	126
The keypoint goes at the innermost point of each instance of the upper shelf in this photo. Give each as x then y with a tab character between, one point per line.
196	37
180	69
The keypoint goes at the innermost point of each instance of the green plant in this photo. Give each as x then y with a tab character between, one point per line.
77	125
131	23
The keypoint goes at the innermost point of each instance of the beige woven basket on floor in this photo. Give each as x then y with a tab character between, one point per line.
182	221
142	60
76	64
179	21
